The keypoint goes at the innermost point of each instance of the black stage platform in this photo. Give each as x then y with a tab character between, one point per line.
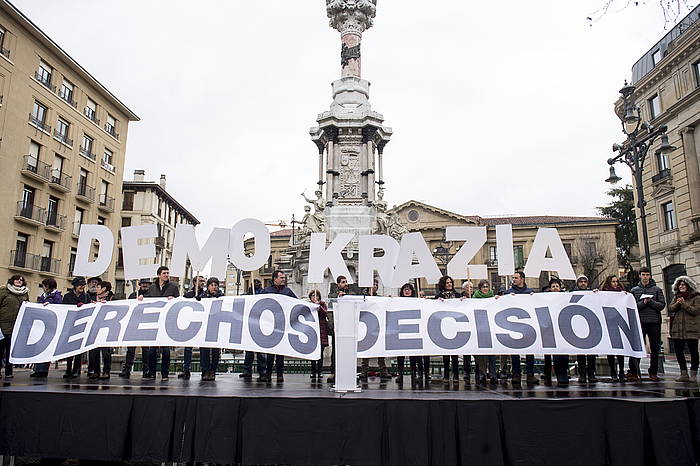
300	422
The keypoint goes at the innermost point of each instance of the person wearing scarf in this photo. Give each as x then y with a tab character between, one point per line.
483	290
103	293
446	290
685	325
50	296
612	283
11	298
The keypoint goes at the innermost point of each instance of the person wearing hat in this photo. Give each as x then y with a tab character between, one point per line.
586	362
144	285
76	296
209	357
92	284
51	295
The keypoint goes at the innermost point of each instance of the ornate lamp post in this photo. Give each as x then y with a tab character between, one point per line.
633	152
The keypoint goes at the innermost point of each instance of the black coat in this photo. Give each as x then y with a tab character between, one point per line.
169	289
72	298
278	290
649	313
446	294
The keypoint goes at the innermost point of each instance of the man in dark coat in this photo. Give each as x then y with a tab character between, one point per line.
250	355
76	296
649	308
161	288
519	287
279	286
144	285
198	287
585	362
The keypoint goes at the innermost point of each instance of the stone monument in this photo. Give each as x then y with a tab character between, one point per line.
350	138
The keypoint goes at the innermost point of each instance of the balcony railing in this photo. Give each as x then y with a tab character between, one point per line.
92	115
106	202
88	154
30	212
62	137
665	173
68	97
49	265
24	260
46	81
54	220
492	263
107	166
111	130
4	52
33	119
85	191
60	180
35	168
76	228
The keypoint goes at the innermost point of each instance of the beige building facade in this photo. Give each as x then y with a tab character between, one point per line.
63	139
667	91
148	202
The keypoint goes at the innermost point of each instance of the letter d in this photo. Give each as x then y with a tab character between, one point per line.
21	348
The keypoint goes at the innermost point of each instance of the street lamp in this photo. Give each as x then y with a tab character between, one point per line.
633	152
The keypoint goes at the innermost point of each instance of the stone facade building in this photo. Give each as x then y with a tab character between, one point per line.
63	147
667	90
148	202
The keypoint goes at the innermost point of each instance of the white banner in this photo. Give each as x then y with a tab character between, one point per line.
266	323
601	323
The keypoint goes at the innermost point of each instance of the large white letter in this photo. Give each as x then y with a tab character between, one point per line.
83	266
133	251
414	244
369	263
475	238
261	241
504	250
321	258
186	245
537	261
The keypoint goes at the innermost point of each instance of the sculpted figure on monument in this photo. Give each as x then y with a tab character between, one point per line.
382	216
395	228
315	222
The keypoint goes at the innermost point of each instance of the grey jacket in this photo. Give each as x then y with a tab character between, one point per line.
649	313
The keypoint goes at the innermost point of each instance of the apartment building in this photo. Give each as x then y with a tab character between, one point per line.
62	148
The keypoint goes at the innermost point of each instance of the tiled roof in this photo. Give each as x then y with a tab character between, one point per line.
542	220
284	232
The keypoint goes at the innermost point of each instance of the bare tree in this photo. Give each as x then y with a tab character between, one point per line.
672	10
594	263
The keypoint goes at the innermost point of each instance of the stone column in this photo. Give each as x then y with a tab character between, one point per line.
330	167
351	18
692	168
320	166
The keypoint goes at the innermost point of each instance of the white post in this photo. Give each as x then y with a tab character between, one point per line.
346	316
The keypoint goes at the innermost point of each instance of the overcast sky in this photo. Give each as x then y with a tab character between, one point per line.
498	108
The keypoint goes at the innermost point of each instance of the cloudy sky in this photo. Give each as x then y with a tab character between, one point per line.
498	108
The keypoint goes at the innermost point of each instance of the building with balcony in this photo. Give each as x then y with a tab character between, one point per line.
148	202
63	148
667	90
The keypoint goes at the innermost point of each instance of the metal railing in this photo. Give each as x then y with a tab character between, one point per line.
30	211
86	191
88	154
111	130
91	115
24	260
49	265
60	179
31	164
53	219
62	137
46	81
107	202
67	96
665	173
107	166
5	52
33	119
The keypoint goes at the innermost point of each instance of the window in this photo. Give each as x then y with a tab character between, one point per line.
62	127
104	187
128	203
39	114
111	126
79	214
590	249
52	212
656	56
66	92
71	260
696	72
82	182
91	110
3	50
43	74
126	222
46	253
28	197
669	216
519	256
662	162
493	255
108	156
86	146
567	249
654	106
21	247
100	220
33	159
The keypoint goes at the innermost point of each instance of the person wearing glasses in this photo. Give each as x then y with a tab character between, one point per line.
586	362
612	283
485	365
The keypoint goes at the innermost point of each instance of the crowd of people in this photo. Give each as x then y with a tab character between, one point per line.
683	312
